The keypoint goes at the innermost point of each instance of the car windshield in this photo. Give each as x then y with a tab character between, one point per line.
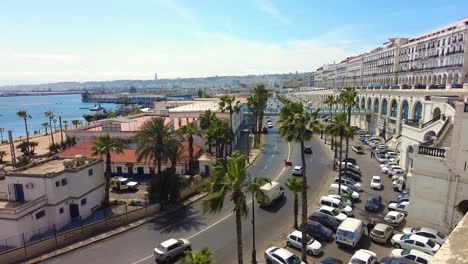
334	212
439	234
378	232
405	237
342	204
405	252
376	180
162	248
357	261
431	243
293	260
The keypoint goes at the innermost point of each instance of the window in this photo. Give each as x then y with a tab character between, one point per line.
140	170
40	214
419	244
61	210
422	261
84	201
57	184
90	172
64	181
411	257
448	41
119	169
443	42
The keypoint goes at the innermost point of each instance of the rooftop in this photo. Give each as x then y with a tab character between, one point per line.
50	166
130	124
196	107
454	249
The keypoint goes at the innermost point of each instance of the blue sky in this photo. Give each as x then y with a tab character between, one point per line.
64	40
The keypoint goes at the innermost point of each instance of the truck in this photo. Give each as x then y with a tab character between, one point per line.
350	232
274	191
124	184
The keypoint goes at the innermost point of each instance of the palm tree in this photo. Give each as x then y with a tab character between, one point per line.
65	123
188	131
295	185
348	98
173	151
330	101
228	103
61	130
227	179
207	119
105	146
2	154
75	123
204	256
45	125
24	115
50	115
262	98
340	128
221	135
32	147
299	125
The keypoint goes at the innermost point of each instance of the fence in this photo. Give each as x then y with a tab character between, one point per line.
40	243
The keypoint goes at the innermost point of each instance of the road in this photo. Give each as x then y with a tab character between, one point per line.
218	231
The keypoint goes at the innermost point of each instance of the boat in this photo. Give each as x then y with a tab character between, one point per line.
95	113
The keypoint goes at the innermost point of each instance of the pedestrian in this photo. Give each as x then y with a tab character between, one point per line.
369	228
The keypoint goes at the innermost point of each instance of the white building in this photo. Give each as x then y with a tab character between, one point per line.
48	195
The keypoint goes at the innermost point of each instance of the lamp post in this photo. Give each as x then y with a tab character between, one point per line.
1	133
254	251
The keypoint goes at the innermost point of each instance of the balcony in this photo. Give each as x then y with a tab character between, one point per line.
435	152
14	208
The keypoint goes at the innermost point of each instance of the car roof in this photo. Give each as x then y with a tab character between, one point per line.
169	242
283	253
297	167
328	208
419	238
363	254
381	226
296	233
394	213
375	177
420	254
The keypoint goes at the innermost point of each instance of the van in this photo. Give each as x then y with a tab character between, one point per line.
350	232
349	182
345	191
274	191
342	207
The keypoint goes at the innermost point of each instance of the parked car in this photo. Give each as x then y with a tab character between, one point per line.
381	158
393	168
341	198
308	150
171	248
376	183
412	254
318	231
363	256
349	160
356	186
399	207
357	172
420	243
345	191
401	197
350	165
330	260
353	176
326	220
338	204
335	213
358	149
390	154
276	255
373	203
395	260
297	171
394	218
399	184
295	240
381	233
430	233
350	232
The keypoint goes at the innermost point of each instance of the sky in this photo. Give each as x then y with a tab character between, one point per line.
96	40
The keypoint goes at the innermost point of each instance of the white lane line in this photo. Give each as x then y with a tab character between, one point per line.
224	218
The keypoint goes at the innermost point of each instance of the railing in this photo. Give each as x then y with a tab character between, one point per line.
427	143
436	152
447	121
430	121
22	207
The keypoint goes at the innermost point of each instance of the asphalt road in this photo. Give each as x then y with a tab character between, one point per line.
218	231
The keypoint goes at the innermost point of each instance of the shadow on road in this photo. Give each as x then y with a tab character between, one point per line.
184	219
276	206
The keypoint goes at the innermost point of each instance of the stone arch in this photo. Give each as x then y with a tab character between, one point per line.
424	79
455	78
444	79
429	135
393	108
439	79
369	104
363	103
436	113
376	105
449	78
404	110
462	207
417	111
384	107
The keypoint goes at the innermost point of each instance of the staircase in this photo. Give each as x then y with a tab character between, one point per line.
445	138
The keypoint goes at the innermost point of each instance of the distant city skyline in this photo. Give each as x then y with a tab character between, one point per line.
57	41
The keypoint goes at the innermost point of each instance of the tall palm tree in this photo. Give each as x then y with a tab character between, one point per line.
50	115
253	105
173	151
150	141
228	103
206	121
204	256
46	126
348	97
299	125
2	154
75	122
295	185
65	123
228	176
24	115
330	101
105	146
187	132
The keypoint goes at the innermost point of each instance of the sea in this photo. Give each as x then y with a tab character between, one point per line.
69	107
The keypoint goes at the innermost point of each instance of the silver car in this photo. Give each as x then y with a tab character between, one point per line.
171	248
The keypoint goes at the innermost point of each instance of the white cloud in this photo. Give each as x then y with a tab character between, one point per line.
269	8
46	56
180	10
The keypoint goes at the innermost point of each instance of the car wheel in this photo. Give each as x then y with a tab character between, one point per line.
189	248
310	253
288	244
269	261
397	245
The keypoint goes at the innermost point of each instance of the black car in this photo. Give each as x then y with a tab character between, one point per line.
373	203
350	160
326	220
307	150
265	130
318	231
330	260
395	260
402	197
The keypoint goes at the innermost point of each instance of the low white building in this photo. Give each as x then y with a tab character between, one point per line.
47	196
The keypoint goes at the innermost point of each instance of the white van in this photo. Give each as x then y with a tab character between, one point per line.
345	191
274	191
342	207
350	232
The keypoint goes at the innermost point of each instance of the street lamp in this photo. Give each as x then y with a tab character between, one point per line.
254	251
1	133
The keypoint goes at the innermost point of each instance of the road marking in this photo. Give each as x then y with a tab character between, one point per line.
224	218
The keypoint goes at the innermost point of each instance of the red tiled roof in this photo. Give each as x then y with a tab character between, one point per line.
129	155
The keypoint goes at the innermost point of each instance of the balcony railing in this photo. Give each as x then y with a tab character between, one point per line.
430	121
436	152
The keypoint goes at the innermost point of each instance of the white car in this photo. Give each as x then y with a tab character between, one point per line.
295	240
430	233
333	212
171	248
376	183
381	159
341	198
420	243
393	168
356	186
384	168
270	125
297	171
396	174
363	256
394	218
412	254
358	149
399	184
276	255
399	207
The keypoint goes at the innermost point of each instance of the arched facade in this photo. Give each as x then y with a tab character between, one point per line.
404	110
369	104
393	109
436	113
417	111
384	107
376	105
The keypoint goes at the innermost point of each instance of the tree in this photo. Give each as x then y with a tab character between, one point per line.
105	146
46	126
299	125
200	93
32	147
228	103
76	123
24	115
204	256
206	120
65	123
348	97
22	161
50	115
330	101
187	132
2	154
173	152
221	135
228	175
262	98
295	185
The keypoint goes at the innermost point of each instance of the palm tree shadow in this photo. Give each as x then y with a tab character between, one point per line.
276	206
185	219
